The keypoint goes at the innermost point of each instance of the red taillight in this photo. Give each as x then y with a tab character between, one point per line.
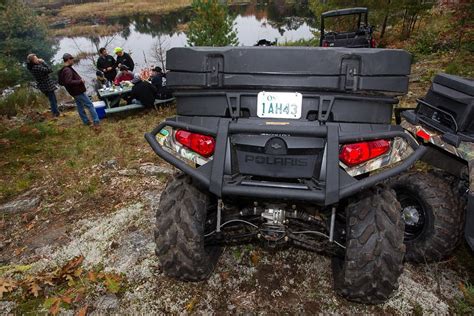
201	144
325	44
357	153
373	43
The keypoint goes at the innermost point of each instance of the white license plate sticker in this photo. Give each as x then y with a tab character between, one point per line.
284	105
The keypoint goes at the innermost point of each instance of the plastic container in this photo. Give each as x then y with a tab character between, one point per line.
100	109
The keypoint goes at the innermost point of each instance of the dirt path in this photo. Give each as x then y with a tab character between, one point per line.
247	278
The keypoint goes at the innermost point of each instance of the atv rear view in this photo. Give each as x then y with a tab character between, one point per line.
286	154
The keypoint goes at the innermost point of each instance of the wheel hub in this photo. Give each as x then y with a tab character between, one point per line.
411	215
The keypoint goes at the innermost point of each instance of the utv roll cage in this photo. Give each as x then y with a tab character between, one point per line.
362	13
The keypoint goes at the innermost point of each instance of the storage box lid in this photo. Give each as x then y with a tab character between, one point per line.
460	84
290	60
341	69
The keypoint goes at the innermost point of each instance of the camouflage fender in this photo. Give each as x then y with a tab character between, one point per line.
465	151
400	151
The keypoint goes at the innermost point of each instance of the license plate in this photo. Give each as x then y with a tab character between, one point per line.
284	105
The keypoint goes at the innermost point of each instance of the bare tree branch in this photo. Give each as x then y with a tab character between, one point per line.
159	49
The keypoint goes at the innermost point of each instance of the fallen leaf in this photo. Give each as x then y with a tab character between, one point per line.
112	283
255	257
66	299
78	272
55	306
82	311
192	303
34	288
92	276
7	286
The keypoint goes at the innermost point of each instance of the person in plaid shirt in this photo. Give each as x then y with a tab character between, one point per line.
41	72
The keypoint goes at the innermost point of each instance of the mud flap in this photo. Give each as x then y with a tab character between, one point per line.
469	229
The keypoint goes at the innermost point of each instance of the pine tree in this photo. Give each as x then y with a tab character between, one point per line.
21	32
212	25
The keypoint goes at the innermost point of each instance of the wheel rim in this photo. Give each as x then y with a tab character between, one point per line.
413	214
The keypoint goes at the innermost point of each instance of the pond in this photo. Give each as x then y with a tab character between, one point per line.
270	20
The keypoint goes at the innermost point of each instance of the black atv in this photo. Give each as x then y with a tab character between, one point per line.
355	29
284	154
434	204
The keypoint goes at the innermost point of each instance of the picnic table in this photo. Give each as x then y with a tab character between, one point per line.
113	95
110	95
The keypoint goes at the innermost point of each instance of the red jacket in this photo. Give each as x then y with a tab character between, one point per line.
127	76
71	80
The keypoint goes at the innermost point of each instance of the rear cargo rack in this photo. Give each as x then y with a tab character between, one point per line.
337	183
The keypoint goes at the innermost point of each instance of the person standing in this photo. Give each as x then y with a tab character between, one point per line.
75	86
41	72
107	64
124	59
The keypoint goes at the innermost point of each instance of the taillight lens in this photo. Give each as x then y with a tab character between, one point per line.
201	144
325	44
357	153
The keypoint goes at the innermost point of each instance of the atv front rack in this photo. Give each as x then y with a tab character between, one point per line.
333	185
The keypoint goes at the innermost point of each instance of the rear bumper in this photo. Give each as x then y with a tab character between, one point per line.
337	184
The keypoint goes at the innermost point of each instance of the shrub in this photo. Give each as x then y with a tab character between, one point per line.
11	72
22	99
313	42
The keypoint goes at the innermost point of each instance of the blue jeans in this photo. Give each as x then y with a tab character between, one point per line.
53	103
82	100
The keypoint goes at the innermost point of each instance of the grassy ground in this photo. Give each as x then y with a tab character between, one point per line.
58	152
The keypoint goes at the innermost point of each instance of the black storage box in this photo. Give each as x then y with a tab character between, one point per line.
449	105
334	107
358	70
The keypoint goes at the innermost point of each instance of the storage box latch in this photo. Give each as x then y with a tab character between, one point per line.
215	69
350	71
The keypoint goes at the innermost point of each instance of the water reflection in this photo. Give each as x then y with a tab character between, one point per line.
272	20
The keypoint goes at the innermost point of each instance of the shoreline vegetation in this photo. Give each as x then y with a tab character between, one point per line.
87	19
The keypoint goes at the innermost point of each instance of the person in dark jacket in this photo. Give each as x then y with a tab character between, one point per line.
41	72
124	59
143	91
107	64
75	86
158	79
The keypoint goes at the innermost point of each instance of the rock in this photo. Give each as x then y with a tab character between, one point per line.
21	204
155	170
6	307
110	164
128	172
107	302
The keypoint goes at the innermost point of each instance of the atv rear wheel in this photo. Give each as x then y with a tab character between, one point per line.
433	215
180	229
374	248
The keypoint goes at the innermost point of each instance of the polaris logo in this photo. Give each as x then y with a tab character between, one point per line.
277	161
